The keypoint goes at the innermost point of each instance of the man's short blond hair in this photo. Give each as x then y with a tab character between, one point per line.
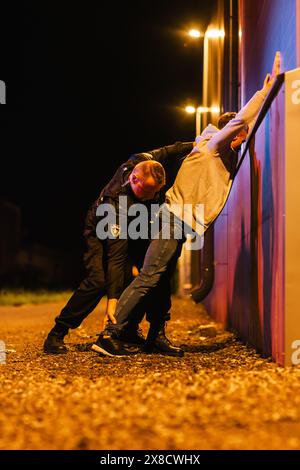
151	168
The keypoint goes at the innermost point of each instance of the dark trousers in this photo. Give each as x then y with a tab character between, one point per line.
159	263
90	291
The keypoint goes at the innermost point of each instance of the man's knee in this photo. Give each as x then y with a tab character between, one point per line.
149	277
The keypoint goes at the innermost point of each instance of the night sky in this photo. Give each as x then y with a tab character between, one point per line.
87	86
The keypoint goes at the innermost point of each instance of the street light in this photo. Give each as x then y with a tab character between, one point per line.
194	33
190	109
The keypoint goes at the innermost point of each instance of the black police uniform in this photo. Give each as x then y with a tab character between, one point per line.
109	263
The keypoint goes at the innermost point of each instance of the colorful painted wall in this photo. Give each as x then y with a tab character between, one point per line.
249	293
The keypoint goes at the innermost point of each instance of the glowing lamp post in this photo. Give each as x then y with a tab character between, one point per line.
194	33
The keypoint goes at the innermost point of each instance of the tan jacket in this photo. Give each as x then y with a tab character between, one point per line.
205	177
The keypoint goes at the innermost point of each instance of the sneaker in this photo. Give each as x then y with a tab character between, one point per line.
54	344
109	346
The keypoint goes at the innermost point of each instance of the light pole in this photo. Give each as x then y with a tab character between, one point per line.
198	121
212	57
213	38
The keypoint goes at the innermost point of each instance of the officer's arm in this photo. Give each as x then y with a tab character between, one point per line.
117	258
175	151
163	154
111	306
112	302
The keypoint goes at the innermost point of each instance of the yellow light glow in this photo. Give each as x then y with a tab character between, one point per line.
201	109
215	109
215	33
194	33
190	109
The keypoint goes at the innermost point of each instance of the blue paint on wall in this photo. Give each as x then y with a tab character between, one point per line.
273	28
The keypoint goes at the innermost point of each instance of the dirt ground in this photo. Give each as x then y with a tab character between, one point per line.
221	395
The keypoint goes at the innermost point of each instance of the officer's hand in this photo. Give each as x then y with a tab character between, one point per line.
112	318
110	311
105	320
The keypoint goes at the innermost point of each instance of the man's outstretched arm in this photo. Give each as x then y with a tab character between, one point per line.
244	117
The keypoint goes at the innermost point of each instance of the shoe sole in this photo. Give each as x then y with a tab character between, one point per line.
97	349
164	353
54	352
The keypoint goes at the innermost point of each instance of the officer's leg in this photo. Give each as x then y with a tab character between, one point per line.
85	298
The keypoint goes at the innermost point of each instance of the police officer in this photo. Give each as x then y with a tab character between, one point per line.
109	262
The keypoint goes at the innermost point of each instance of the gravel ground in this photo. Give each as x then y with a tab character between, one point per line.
221	395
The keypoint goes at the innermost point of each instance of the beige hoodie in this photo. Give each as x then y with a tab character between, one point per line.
205	177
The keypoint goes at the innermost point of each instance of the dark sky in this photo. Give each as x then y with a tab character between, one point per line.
88	84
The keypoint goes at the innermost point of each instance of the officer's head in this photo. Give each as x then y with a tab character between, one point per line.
146	179
240	137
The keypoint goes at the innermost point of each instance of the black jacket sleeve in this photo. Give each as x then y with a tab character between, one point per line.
175	151
116	255
117	261
164	154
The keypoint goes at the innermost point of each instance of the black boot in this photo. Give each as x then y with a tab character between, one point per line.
54	344
158	342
